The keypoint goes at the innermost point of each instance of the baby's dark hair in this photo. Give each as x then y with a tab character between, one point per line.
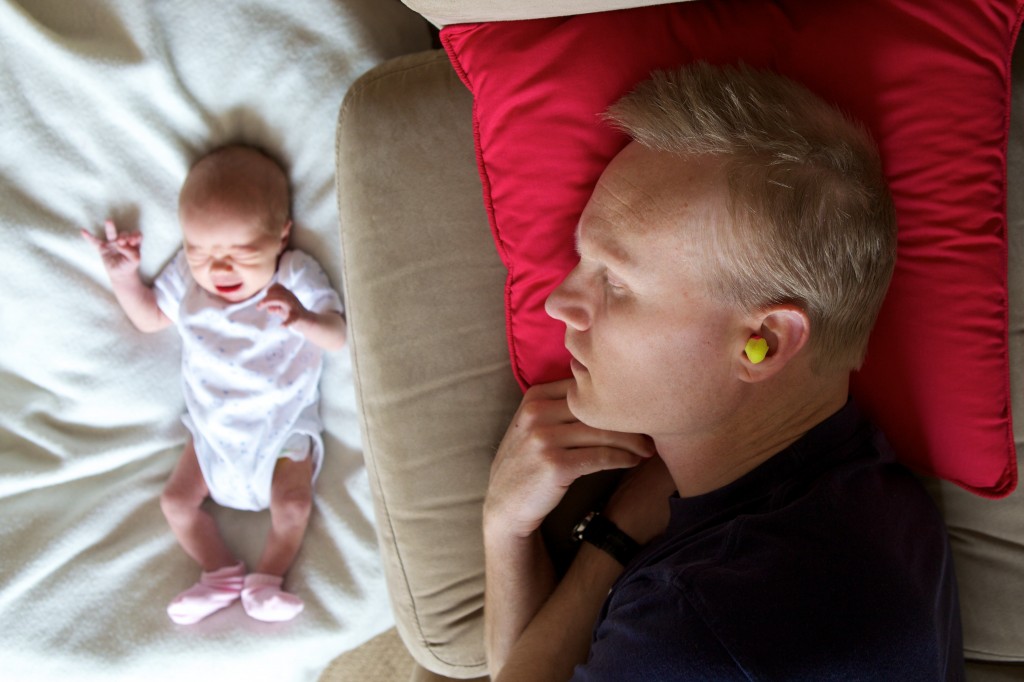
246	177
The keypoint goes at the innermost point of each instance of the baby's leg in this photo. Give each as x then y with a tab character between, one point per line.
195	529
291	500
222	578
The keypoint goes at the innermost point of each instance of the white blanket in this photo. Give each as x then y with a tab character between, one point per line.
105	105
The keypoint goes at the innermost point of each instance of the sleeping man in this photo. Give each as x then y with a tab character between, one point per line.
733	259
254	318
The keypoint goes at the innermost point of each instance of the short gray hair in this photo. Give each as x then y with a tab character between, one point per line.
814	223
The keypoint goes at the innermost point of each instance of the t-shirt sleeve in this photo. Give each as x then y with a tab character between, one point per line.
650	631
171	284
303	276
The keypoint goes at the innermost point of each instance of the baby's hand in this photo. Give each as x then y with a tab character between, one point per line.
282	302
120	252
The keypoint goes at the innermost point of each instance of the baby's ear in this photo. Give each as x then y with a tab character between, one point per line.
285	234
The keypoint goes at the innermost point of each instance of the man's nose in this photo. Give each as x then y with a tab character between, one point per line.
569	304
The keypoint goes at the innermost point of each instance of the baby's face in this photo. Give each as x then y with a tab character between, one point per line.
232	256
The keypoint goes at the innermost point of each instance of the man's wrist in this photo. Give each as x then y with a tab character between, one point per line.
603	534
500	531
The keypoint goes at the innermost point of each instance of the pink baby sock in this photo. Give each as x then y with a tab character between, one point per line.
264	599
213	592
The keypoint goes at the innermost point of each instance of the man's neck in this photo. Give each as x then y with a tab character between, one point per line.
755	432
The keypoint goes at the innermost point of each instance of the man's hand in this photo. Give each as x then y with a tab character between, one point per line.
121	253
282	302
544	450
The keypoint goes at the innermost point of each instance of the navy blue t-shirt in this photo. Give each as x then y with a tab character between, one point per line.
827	562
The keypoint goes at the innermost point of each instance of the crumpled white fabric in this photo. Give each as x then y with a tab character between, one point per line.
106	104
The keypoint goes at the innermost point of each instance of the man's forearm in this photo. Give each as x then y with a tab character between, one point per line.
519	578
557	638
544	450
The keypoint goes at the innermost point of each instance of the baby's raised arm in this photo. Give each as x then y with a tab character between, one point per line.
326	330
121	255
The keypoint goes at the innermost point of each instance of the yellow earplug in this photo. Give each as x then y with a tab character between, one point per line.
756	349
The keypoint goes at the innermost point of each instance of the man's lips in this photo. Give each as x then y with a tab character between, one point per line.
574	362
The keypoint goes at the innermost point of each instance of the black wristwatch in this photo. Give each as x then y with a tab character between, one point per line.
606	536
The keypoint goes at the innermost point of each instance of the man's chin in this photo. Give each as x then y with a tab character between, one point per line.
588	410
582	406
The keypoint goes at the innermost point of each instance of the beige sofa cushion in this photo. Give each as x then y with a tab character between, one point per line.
424	290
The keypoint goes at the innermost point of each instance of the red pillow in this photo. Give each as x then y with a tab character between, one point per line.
931	81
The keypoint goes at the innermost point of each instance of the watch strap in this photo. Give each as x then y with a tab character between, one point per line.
606	536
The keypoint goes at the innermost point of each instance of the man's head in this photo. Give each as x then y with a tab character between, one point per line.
234	215
751	208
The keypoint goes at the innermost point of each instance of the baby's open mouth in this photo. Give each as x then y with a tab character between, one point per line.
227	288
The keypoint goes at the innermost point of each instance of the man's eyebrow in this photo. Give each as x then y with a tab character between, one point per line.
609	250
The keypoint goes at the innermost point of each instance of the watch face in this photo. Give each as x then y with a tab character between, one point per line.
579	528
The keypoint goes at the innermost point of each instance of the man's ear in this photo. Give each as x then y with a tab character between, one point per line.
786	329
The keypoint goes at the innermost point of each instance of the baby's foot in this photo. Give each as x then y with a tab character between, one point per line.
214	591
264	599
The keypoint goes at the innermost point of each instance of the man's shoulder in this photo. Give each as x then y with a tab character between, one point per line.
846	535
812	577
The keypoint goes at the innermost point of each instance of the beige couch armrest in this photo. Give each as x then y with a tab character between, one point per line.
447	12
424	293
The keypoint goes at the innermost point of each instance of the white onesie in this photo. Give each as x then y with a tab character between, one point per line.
251	384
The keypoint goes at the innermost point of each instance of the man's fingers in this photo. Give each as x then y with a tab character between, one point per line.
579	435
550	391
572	434
539	412
583	461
